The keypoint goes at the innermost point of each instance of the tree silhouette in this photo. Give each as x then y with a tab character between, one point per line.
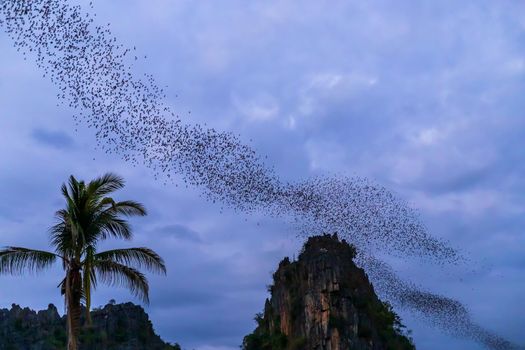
89	217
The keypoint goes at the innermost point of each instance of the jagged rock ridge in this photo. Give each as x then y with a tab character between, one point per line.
115	327
323	301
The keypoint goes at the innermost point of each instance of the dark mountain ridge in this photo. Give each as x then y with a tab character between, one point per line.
115	327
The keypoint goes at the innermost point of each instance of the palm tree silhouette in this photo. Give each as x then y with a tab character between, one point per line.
90	216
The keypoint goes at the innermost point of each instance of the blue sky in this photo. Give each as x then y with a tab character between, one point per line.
423	98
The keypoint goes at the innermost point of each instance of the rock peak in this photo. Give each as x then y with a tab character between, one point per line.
323	301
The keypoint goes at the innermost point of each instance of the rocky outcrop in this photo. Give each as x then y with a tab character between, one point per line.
323	301
22	328
114	327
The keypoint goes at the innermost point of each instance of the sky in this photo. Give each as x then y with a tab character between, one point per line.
423	98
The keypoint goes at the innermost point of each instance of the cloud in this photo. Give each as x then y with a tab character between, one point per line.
259	108
56	139
180	232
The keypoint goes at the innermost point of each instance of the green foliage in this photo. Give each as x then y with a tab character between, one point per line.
261	339
90	337
337	323
297	344
121	333
19	326
16	260
115	327
364	330
265	341
391	329
59	338
143	335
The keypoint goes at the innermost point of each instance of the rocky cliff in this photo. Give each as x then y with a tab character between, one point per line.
114	327
323	301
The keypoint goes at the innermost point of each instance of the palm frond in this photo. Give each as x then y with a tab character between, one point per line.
65	191
73	189
60	233
14	260
129	208
105	203
137	257
62	286
110	225
105	184
115	274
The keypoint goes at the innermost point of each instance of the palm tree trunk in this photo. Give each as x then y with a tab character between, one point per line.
88	304
86	279
73	296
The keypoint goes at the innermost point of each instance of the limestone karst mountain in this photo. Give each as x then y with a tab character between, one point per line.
323	301
115	327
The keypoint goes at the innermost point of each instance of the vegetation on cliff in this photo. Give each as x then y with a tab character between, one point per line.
114	327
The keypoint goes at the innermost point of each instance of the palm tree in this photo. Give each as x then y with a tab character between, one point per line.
90	216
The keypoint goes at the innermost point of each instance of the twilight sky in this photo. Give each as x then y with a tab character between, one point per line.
424	98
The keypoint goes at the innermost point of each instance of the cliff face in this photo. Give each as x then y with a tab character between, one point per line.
115	327
323	301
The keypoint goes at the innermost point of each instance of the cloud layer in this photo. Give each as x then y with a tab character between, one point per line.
456	159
